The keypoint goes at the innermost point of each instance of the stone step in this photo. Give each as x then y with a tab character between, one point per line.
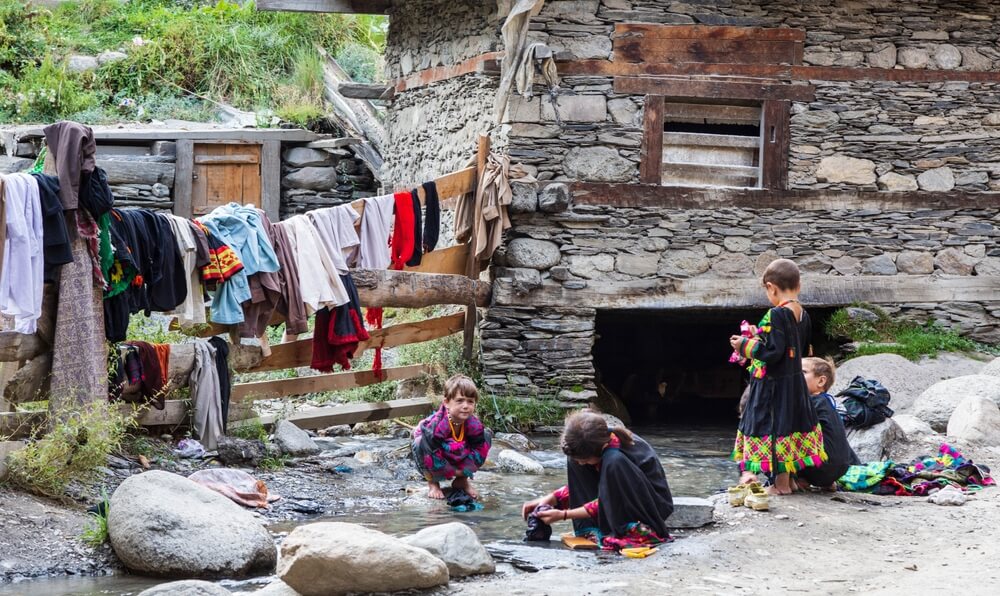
691	512
709	140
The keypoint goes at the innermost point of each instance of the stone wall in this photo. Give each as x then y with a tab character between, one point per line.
428	33
313	179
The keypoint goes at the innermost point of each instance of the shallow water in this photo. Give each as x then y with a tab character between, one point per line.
695	460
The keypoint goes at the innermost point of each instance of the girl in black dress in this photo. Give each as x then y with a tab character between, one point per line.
779	433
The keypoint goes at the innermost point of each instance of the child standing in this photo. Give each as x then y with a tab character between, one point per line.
819	374
452	443
779	433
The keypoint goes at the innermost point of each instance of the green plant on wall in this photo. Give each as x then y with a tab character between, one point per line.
45	91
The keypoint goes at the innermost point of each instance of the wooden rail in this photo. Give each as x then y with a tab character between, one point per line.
354	413
320	383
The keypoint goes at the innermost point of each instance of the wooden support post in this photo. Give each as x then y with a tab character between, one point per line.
472	265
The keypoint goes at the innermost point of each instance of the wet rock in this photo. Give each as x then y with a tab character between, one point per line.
165	525
187	587
937	180
554	198
524	198
840	168
948	495
306	506
915	428
598	164
514	441
976	420
691	512
512	462
276	588
340	430
241	452
875	442
294	441
915	262
936	405
331	558
533	254
457	545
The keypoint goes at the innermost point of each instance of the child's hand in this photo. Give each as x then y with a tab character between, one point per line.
529	506
552	516
735	341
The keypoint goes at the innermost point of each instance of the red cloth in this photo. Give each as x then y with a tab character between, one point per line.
401	244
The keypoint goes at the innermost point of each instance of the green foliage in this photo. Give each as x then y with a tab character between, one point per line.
251	430
363	63
154	331
44	92
892	336
73	451
273	463
21	39
518	414
95	533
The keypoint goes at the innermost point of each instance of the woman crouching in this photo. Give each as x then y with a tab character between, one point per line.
617	494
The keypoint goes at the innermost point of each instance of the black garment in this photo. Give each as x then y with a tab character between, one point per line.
158	260
222	366
95	194
838	450
418	243
56	248
459	498
630	485
778	405
537	529
432	217
117	308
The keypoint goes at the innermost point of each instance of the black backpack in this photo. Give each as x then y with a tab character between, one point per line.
865	403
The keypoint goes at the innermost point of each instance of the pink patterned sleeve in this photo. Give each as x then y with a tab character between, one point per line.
562	497
591	508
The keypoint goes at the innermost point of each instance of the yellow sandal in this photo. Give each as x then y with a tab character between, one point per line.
737	494
756	497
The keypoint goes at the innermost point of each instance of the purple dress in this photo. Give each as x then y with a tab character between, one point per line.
442	453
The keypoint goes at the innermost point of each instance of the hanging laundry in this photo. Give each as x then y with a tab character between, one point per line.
432	217
319	281
276	292
73	147
222	368
152	375
192	310
21	278
335	228
159	285
223	262
202	254
376	226
418	234
55	237
207	419
488	206
401	245
338	332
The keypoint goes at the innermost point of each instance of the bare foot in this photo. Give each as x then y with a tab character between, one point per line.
748	477
800	484
774	491
465	484
434	491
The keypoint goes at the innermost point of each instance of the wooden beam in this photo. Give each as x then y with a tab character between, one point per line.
403	289
358	117
705	32
716	293
366	90
184	178
356	413
270	179
336	6
299	353
775	144
692	89
472	268
651	154
714	51
319	383
20	346
429	76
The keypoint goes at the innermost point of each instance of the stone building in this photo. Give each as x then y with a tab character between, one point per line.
689	143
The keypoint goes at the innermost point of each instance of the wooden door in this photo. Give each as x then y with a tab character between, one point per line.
224	173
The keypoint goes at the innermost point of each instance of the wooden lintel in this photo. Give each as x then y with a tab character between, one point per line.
716	293
355	413
682	197
334	6
689	88
476	64
319	383
20	346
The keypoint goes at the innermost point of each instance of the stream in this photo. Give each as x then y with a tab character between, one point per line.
696	463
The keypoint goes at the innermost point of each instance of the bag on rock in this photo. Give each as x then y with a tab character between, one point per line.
865	403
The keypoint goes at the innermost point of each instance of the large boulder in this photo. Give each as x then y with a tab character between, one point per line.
875	442
512	462
457	545
992	369
936	405
294	441
187	587
976	420
914	427
904	379
165	525
330	558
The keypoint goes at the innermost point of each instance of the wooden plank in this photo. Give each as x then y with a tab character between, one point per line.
121	171
356	116
699	139
472	266
319	383
355	413
654	30
227	159
429	76
335	6
687	88
715	51
20	346
299	353
644	195
450	260
270	179
184	178
651	153
701	113
715	293
365	90
775	144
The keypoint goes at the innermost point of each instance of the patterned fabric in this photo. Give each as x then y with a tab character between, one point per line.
223	262
636	534
443	451
920	476
864	477
757	368
793	453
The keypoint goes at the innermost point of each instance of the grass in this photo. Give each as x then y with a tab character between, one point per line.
888	335
95	533
251	430
154	331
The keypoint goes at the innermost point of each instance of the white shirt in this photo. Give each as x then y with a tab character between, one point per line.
319	281
335	226
376	224
22	270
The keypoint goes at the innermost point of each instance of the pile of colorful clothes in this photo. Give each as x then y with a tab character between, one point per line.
920	476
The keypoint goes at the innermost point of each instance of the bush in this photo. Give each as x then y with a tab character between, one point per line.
44	92
73	451
96	532
21	37
363	63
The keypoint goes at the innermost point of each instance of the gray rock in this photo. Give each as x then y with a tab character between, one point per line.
599	164
937	180
13	165
976	420
638	265
332	558
912	58
884	57
875	443
524	198
165	525
110	56
845	265
515	441
591	266
533	254
991	119
81	63
915	428
683	263
915	262
311	178
187	587
936	405
554	198
739	244
524	279
160	190
732	265
992	369
989	266
856	313
929	35
234	451
457	545
840	168
294	441
904	379
816	118
691	512
576	108
970	178
624	111
947	57
879	265
300	157
590	47
973	60
893	182
339	430
512	462
276	588
954	262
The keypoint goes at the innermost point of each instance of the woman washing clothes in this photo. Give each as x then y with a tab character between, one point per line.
617	495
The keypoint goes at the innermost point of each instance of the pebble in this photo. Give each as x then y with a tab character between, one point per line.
781	516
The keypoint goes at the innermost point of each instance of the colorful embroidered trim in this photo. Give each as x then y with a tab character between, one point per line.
794	452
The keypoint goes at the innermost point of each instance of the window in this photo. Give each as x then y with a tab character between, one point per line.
711	145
